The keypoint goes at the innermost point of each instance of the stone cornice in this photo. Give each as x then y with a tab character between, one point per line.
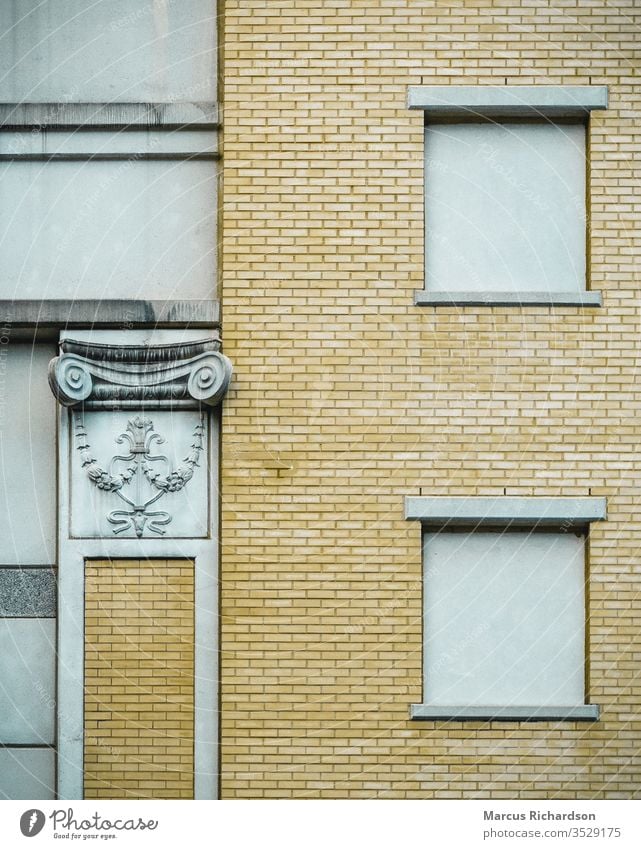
100	314
171	116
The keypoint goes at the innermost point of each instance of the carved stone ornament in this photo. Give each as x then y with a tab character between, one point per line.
138	476
103	376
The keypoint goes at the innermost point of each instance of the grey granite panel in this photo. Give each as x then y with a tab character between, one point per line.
27	592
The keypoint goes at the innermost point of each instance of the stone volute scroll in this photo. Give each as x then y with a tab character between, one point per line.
102	376
138	435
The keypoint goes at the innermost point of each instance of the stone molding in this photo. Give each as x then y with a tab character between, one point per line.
483	101
478	512
169	116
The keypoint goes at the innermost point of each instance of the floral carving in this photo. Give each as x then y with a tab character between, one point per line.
127	472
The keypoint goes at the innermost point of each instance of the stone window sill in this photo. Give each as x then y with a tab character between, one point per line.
424	298
551	713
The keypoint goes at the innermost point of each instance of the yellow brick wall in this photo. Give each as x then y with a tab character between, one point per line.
347	397
139	679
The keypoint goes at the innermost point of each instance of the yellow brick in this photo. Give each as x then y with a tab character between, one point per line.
133	672
347	398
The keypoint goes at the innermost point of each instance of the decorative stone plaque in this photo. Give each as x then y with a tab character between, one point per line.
139	441
139	474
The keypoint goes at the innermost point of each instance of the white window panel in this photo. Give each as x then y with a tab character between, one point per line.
504	618
505	207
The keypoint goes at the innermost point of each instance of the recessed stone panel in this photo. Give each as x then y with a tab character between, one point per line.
27	680
27	454
131	229
27	773
122	50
